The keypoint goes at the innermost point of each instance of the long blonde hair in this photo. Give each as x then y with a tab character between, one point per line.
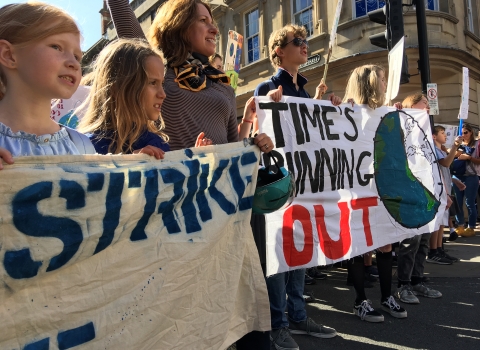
23	24
169	30
115	110
364	86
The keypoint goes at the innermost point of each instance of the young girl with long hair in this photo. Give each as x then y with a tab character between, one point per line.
367	85
39	61
125	100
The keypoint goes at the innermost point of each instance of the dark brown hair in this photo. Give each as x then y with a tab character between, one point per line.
169	30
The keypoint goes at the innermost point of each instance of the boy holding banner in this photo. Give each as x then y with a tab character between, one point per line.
288	50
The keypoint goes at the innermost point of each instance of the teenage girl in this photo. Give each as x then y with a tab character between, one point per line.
367	85
39	61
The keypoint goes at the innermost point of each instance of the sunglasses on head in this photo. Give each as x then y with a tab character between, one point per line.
297	42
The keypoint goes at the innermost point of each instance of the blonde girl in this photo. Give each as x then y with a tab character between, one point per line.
125	100
367	85
39	61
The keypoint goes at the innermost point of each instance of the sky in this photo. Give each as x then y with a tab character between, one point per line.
85	12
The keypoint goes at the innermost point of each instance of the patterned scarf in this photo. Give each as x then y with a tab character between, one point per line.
197	74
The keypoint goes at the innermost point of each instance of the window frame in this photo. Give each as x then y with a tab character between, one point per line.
312	8
436	6
245	38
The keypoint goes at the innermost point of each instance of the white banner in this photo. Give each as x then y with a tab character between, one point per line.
463	113
127	252
364	178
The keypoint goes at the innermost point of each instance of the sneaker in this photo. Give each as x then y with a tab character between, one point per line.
391	306
438	259
405	295
372	270
316	274
468	232
309	280
453	236
308	297
370	278
282	339
460	230
311	328
366	312
424	291
449	257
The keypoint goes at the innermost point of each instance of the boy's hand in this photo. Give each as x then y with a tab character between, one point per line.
6	156
461	186
320	90
151	151
398	105
276	95
458	141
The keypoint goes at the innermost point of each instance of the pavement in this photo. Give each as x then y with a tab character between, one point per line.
451	322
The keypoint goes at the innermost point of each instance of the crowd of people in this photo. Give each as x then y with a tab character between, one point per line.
137	104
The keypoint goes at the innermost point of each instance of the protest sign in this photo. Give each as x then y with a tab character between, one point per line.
364	178
233	57
127	252
64	111
463	113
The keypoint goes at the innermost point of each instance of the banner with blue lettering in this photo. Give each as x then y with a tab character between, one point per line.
128	252
364	178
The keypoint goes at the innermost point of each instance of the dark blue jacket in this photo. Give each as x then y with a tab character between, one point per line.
285	79
101	143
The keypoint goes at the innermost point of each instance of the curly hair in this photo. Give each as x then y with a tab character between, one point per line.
169	30
279	38
363	86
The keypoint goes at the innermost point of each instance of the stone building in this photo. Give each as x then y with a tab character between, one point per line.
453	37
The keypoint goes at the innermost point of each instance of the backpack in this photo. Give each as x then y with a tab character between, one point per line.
459	167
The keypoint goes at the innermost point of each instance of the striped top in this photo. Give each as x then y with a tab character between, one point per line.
186	113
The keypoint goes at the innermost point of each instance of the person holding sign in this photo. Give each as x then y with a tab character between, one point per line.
367	86
288	50
413	251
39	61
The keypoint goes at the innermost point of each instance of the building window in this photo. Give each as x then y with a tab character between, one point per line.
472	13
252	37
362	7
303	14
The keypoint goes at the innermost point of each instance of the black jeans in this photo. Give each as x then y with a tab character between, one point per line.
411	257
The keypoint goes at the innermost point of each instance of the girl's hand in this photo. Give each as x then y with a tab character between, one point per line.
461	186
398	105
202	140
264	142
336	100
320	90
6	156
276	95
350	100
151	151
449	202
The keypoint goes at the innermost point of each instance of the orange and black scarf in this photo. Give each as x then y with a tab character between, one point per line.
197	74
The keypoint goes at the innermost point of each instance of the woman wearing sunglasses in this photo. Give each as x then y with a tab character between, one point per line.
468	152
